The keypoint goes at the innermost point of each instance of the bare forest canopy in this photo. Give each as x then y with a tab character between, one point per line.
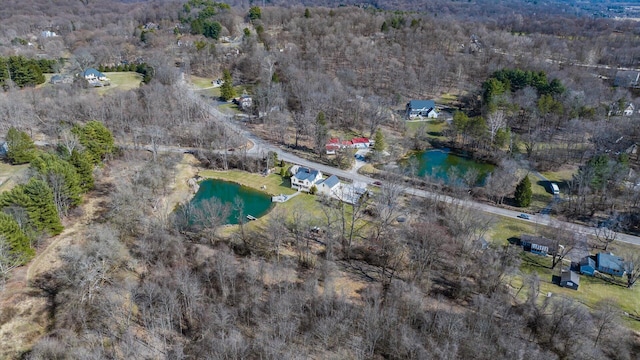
527	85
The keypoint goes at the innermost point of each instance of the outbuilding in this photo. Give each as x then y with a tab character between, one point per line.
569	279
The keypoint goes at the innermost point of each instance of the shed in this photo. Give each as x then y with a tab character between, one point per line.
570	279
587	265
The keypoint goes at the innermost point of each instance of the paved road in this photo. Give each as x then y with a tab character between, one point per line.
260	148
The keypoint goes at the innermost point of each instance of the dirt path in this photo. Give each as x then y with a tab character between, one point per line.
23	309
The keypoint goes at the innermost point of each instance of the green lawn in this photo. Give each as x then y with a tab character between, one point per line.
433	128
540	197
273	182
201	82
447	99
122	81
590	292
9	175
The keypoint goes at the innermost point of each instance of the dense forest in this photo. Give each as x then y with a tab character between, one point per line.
99	253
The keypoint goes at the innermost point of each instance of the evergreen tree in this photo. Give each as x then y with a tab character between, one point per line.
84	167
21	148
255	13
307	13
379	143
523	193
42	211
97	139
19	243
322	134
385	27
227	92
62	178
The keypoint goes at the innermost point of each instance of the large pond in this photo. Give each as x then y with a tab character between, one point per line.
441	164
254	202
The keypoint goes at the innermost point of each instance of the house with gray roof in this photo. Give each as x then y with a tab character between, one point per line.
303	178
329	185
418	109
93	74
570	279
627	79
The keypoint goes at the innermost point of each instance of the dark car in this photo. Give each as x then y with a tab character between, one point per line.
524	216
377	183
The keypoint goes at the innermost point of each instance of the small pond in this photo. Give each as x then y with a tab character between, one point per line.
443	165
256	203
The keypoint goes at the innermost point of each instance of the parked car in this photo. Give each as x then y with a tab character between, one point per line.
377	183
524	216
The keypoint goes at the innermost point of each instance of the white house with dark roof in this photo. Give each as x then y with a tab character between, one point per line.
421	109
93	74
328	186
303	178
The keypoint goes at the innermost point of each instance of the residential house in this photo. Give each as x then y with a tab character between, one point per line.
244	102
328	186
627	79
48	34
93	74
304	178
569	279
628	111
332	148
538	245
610	264
360	143
421	109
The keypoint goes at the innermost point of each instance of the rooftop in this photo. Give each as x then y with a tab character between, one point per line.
419	104
610	261
306	174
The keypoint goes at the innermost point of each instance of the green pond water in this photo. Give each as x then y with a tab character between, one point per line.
256	203
441	164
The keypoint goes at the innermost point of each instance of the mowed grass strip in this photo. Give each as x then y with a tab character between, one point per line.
10	174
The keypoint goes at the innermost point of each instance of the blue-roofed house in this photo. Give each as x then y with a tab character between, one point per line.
588	265
93	74
329	185
421	109
304	178
610	264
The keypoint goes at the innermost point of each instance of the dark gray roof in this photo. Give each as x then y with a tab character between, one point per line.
626	78
422	104
570	276
92	71
306	174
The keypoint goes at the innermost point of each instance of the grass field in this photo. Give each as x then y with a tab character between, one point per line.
591	290
121	81
433	129
540	197
9	174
